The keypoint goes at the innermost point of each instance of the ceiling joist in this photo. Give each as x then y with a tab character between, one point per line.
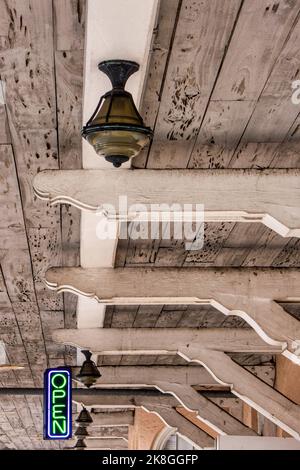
247	293
203	347
269	197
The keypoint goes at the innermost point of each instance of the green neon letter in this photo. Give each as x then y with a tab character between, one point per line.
55	385
61	426
56	412
58	394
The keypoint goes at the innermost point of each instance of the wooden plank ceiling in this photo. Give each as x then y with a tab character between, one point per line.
212	102
41	68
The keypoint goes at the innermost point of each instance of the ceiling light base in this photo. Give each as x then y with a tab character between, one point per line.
118	71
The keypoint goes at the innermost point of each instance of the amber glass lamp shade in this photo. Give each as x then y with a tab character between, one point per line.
116	129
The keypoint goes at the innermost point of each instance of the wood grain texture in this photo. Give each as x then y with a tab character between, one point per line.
251	390
35	77
69	84
263	28
69	23
202	32
159	54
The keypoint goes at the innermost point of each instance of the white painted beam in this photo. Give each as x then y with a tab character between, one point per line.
204	347
207	412
198	377
126	402
132	375
270	197
176	381
134	22
247	293
115	341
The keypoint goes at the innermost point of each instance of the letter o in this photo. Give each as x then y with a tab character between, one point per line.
53	380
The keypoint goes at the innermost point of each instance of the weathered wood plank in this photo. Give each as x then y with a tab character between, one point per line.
275	107
289	255
69	76
202	32
223	125
69	71
287	154
17	272
69	84
258	37
27	65
35	150
257	155
144	249
50	320
215	235
239	243
69	21
124	317
4	129
266	248
170	316
147	315
162	42
45	247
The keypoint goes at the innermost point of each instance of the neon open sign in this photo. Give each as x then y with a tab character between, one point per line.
57	403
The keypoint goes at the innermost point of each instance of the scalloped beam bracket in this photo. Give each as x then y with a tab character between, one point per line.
202	346
248	293
269	197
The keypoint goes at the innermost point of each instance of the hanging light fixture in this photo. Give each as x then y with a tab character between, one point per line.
84	418
80	445
116	129
81	432
89	372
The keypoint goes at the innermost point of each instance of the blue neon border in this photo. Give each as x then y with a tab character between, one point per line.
47	390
